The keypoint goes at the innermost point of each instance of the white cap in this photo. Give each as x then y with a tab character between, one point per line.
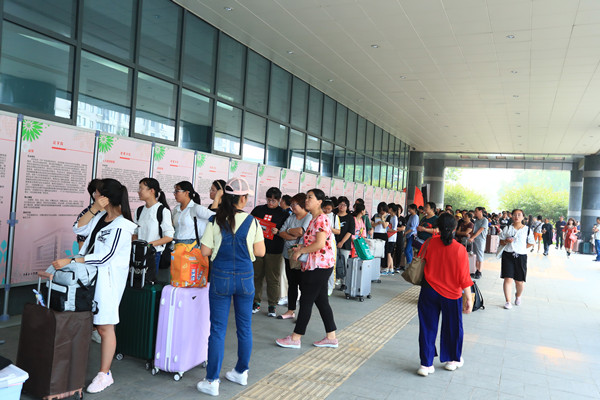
239	187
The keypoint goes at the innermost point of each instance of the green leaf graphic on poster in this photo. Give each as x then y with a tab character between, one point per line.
3	251
74	250
261	170
283	173
332	183
159	152
32	130
318	180
233	166
201	160
105	143
303	177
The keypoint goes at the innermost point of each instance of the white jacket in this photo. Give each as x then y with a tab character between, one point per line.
111	255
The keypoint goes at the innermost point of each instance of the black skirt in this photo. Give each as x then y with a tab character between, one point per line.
514	267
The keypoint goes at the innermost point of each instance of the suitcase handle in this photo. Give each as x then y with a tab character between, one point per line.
49	276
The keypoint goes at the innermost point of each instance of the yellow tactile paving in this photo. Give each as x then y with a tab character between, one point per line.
317	373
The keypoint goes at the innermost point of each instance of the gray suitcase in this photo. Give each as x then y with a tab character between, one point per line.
376	270
358	278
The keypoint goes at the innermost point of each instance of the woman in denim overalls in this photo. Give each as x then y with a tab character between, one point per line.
231	276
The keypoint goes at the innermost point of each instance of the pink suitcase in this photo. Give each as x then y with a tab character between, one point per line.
472	263
183	329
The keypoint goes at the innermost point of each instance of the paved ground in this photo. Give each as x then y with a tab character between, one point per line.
546	349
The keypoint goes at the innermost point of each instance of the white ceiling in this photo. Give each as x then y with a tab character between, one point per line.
447	76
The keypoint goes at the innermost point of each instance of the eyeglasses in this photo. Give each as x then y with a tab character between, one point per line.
178	191
272	201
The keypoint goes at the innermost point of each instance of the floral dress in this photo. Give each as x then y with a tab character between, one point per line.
324	258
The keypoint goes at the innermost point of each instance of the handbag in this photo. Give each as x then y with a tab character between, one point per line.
295	264
416	269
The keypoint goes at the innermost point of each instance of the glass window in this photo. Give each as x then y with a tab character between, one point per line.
349	170
108	26
390	149
254	138
361	133
313	148
106	86
383	175
297	145
230	69
328	118
299	103
228	128
277	143
55	15
351	131
279	94
338	169
159	48
257	82
378	139
35	72
389	183
326	158
375	174
395	180
155	108
359	167
367	170
315	111
341	117
195	123
199	54
385	141
369	138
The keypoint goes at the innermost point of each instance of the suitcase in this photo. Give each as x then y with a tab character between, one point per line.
586	248
576	245
472	263
376	270
183	330
138	316
491	243
358	279
53	349
377	247
362	248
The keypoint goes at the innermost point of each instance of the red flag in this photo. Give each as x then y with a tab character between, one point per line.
418	198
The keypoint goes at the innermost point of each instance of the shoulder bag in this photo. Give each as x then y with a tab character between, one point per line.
416	269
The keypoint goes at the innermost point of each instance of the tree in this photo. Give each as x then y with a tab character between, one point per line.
452	174
461	197
537	200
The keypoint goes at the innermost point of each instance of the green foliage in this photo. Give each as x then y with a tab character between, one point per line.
452	174
461	197
536	200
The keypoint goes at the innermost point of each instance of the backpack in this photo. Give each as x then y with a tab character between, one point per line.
142	264
165	257
477	297
73	287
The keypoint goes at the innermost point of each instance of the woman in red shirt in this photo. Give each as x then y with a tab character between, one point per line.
446	275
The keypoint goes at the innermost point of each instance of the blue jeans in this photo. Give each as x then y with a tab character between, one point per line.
157	260
597	244
224	286
408	251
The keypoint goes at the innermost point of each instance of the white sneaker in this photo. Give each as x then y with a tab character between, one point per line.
207	387
507	305
236	377
424	371
454	365
96	337
100	382
283	301
517	301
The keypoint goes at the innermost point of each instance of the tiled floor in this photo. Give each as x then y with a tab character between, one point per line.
548	348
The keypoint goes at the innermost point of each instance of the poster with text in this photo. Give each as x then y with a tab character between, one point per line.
377	195
402	201
307	182
337	189
54	170
349	191
359	191
172	165
209	168
268	177
248	171
8	134
290	182
369	198
324	183
126	160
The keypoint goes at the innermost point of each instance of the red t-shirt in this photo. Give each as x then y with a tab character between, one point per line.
447	268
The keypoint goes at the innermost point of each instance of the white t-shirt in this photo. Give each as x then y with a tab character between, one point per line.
393	226
147	226
519	245
212	235
183	221
379	228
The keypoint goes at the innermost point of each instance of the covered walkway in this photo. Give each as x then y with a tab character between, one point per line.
546	349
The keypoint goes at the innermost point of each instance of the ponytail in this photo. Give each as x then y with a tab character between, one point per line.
117	195
358	208
446	225
187	186
162	199
225	215
153	184
125	209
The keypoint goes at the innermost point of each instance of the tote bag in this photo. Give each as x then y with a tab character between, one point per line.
415	271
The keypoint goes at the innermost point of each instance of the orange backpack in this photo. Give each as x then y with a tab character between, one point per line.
189	268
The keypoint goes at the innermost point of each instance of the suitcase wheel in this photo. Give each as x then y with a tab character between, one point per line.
119	356
204	364
148	365
368	296
178	376
361	299
154	371
347	297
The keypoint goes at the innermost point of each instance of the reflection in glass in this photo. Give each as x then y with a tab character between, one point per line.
159	36
326	158
367	170
155	108
375	174
54	15
277	145
328	118
313	147
369	138
350	160
104	95
351	135
254	138
384	146
341	117
228	128
257	82
230	69
378	138
315	111
359	168
390	177
107	26
279	94
199	54
299	103
195	125
338	168
361	133
297	144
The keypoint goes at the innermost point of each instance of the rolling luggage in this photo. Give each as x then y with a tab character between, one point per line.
362	249
358	278
377	247
586	248
138	316
491	243
376	270
472	263
183	330
53	349
576	245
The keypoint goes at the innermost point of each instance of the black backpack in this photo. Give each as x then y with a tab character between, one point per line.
165	257
478	301
142	266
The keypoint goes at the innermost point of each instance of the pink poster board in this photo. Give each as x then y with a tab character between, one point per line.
359	191
337	188
369	198
55	168
307	182
290	182
172	165
349	191
8	134
126	160
209	168
324	183
377	196
248	171
268	177
397	198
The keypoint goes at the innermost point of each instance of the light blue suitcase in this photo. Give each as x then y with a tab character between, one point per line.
358	278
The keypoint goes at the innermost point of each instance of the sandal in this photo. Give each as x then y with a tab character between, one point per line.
286	316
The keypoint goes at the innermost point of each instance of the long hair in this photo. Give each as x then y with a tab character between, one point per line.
93	186
225	216
219	184
358	208
446	225
117	195
153	184
188	187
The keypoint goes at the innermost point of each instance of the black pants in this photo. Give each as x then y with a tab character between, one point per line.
293	277
559	240
314	291
547	243
383	261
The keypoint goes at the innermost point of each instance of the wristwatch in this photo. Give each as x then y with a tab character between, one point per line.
72	260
